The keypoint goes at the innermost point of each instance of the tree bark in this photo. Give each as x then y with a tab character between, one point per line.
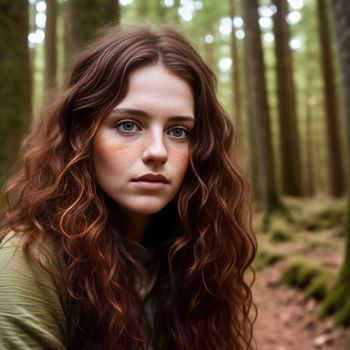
338	299
84	19
160	11
15	87
310	177
335	152
209	47
236	93
259	117
176	16
143	10
50	44
288	122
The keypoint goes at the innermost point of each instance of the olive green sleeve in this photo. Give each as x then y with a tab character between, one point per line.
32	302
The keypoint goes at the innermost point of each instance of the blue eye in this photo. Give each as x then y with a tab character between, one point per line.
179	133
127	126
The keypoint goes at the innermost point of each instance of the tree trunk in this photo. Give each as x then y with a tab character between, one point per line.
335	152
160	11
84	19
15	87
50	44
209	48
176	17
236	95
258	112
289	134
143	10
338	299
310	177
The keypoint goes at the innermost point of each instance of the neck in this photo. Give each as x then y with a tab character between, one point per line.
133	225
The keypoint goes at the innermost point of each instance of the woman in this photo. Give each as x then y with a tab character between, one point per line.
128	224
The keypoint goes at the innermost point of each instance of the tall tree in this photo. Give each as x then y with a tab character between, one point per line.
160	11
289	134
176	17
143	9
84	18
338	298
309	178
336	164
236	96
50	44
209	46
15	87
259	117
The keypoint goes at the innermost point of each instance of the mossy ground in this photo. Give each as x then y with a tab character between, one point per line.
313	279
310	251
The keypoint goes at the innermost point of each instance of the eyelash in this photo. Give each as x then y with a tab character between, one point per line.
118	126
121	123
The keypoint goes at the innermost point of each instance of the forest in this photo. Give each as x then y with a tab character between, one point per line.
283	74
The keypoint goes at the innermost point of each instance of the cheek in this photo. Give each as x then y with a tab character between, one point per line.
108	153
181	161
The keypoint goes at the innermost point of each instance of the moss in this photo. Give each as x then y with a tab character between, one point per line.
289	275
279	235
324	245
318	287
325	218
276	209
337	302
342	316
266	258
305	276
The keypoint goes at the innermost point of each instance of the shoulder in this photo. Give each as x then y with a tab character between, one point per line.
32	300
16	266
13	256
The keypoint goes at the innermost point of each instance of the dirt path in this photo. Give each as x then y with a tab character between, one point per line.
286	321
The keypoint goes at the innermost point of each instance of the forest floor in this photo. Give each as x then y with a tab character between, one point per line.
287	320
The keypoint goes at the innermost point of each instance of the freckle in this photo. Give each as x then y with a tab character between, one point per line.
119	147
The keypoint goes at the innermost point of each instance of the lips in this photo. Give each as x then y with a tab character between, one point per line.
157	178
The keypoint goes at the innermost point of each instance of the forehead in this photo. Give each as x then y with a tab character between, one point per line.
154	86
154	76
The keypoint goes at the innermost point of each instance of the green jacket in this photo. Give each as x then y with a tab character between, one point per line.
32	301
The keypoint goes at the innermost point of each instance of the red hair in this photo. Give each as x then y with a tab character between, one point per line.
201	298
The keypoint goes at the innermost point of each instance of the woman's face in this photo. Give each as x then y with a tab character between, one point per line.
141	150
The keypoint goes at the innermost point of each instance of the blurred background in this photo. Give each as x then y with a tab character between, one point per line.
283	75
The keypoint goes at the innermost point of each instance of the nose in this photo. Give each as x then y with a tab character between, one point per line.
155	150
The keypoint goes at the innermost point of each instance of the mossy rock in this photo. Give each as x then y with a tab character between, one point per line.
319	287
266	258
279	235
289	276
305	276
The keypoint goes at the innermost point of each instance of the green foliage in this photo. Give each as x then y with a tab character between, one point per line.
314	244
305	276
266	258
280	235
325	218
337	302
318	287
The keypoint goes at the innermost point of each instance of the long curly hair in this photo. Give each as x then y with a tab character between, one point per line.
202	295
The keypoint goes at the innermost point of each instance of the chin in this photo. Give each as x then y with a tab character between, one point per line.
148	210
148	207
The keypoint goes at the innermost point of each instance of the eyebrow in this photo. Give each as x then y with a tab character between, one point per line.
140	113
